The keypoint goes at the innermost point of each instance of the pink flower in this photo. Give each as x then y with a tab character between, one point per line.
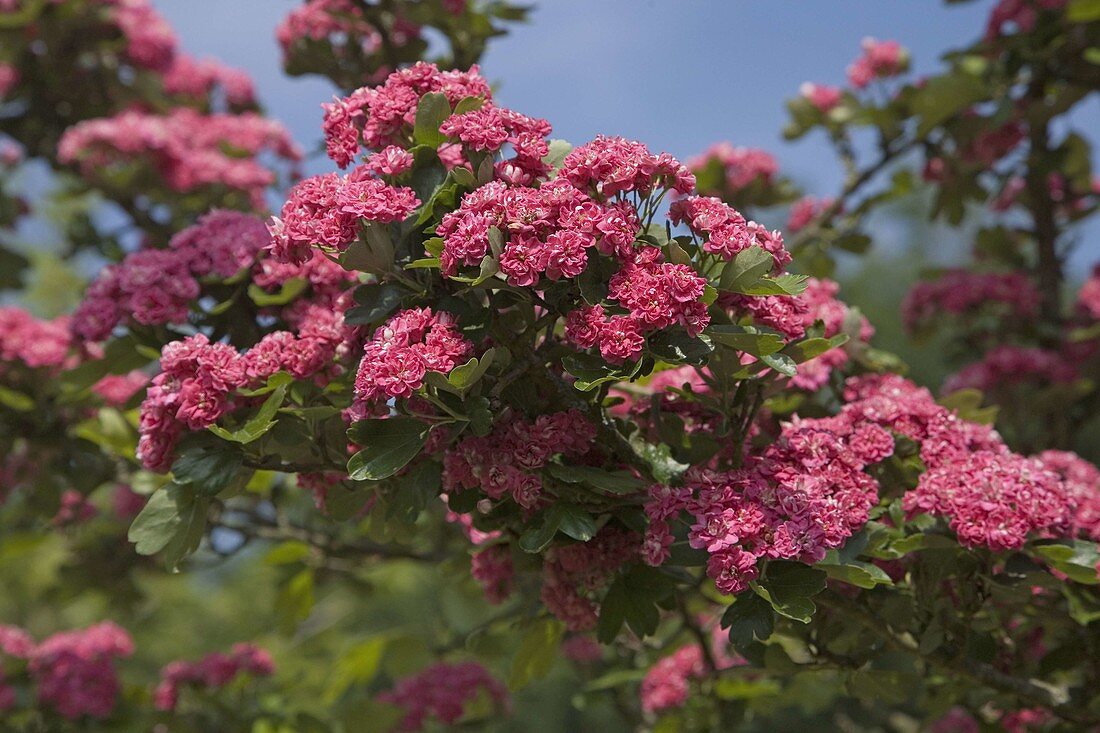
825	98
440	693
880	59
213	671
9	78
403	350
75	673
741	166
620	340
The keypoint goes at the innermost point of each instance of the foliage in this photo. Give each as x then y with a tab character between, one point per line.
490	428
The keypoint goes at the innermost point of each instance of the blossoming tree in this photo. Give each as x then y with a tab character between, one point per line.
507	429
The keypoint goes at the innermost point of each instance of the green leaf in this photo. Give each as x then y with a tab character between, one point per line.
1083	11
737	688
749	339
881	685
745	269
780	363
173	521
434	246
558	149
295	600
789	586
466	375
357	666
263	421
676	347
538	536
806	349
967	403
632	598
785	284
208	466
289	290
575	522
373	252
943	97
857	573
615	482
469	104
388	446
590	371
154	526
432	111
288	553
15	400
749	618
376	301
489	267
538	650
416	490
1075	558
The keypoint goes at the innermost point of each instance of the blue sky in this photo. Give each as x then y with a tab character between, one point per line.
676	74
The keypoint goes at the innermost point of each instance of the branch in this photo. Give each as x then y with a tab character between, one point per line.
852	187
1049	265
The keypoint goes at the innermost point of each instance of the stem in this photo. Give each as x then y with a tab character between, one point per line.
1048	265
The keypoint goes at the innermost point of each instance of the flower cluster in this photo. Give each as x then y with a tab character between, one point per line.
805	494
492	569
74	670
1007	365
506	462
990	145
150	41
192	391
186	149
490	128
805	210
1082	487
441	692
326	210
157	286
614	165
118	389
1088	297
741	167
211	672
31	341
994	499
880	59
195	79
376	117
823	97
990	496
9	78
75	509
325	20
667	684
822	306
573	575
655	294
198	378
403	350
966	294
725	231
1023	14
